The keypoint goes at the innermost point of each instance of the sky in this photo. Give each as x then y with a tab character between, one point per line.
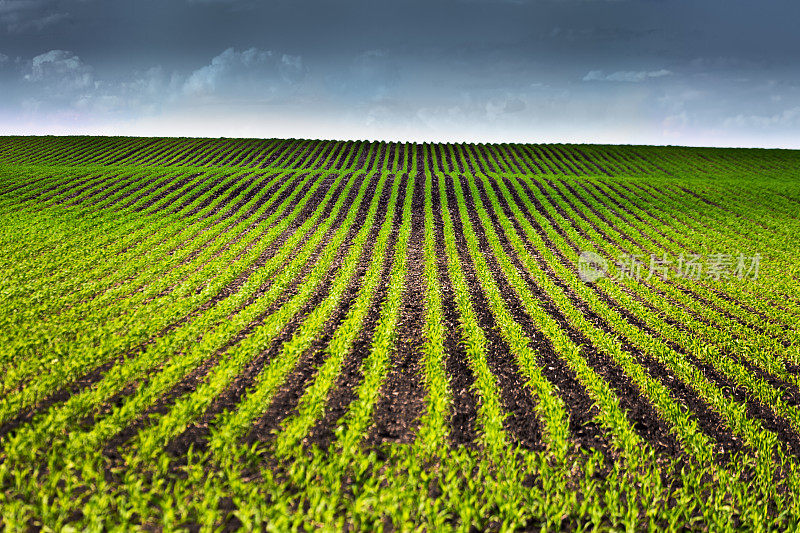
667	72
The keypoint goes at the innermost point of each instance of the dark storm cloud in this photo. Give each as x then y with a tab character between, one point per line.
690	72
18	16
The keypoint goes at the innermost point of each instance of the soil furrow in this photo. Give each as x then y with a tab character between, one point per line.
247	378
402	399
464	405
285	401
768	418
643	416
517	400
343	392
581	408
708	420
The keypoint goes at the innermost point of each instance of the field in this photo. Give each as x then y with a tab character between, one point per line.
223	333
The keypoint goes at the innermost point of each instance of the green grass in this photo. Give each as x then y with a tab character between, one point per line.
244	334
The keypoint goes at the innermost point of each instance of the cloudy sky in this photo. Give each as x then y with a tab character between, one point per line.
690	72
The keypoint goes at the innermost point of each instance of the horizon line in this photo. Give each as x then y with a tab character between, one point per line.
396	141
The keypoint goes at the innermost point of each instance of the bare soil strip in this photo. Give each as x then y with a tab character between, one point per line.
247	377
402	399
709	421
579	405
644	418
518	402
464	406
343	392
285	401
755	409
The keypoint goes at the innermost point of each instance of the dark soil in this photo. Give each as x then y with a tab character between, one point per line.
755	409
343	392
601	205
285	401
464	408
708	420
402	398
516	397
248	376
580	406
644	418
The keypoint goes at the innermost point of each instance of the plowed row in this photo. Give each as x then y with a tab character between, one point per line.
200	333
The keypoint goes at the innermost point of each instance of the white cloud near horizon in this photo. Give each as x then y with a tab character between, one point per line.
628	76
252	73
62	69
786	118
256	92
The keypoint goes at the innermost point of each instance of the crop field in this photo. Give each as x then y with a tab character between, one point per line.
223	334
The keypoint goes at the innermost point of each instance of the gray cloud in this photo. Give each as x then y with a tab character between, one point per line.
683	72
253	73
787	118
59	86
61	70
629	76
24	15
370	76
